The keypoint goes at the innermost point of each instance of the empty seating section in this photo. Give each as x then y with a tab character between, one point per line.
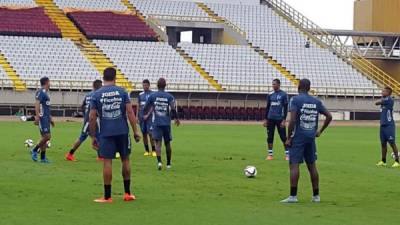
18	3
151	60
94	5
109	25
270	32
59	59
27	22
170	8
234	65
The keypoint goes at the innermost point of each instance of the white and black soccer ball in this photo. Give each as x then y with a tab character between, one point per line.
48	144
28	143
393	155
250	171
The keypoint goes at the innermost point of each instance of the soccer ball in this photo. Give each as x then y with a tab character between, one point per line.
48	144
393	155
250	171
28	143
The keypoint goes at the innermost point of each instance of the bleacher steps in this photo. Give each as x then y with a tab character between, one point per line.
206	75
18	83
68	30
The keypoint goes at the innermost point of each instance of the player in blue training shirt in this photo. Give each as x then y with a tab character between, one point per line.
112	106
161	105
43	119
388	127
146	125
85	129
303	129
275	116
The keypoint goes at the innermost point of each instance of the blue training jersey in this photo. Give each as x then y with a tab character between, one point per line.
86	106
44	100
308	109
277	103
162	102
110	104
143	97
387	111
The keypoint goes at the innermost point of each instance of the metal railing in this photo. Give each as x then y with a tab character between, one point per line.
76	85
181	18
327	40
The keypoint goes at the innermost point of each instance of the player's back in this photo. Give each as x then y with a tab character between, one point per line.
162	102
308	109
110	102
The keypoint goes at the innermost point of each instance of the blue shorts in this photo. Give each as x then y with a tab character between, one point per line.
388	134
146	126
85	133
160	132
109	146
44	126
303	150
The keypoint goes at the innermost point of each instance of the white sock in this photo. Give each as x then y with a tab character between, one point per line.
271	152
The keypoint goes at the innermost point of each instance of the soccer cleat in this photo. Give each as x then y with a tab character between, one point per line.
44	161
316	199
270	157
129	197
290	199
396	165
70	157
169	167
154	154
381	163
34	155
159	166
286	158
103	200
146	154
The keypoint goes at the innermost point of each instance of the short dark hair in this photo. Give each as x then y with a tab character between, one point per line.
44	80
389	89
305	85
146	81
97	84
277	81
161	83
109	74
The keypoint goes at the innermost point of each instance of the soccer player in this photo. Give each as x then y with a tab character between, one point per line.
85	129
43	119
111	104
163	107
388	127
302	131
146	125
275	116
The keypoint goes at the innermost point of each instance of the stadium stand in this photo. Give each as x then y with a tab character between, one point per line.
27	22
234	66
113	26
34	57
102	5
150	60
163	9
270	32
18	3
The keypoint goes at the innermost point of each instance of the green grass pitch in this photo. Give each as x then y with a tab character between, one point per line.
206	185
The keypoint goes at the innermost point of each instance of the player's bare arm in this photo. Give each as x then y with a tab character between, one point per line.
133	121
328	120
292	124
92	128
378	103
37	112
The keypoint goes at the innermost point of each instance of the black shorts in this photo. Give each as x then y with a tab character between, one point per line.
109	146
271	131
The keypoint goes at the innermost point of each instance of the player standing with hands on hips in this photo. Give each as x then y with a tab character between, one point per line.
388	127
302	131
113	107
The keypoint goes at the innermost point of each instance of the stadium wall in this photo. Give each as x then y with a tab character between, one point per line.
379	16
